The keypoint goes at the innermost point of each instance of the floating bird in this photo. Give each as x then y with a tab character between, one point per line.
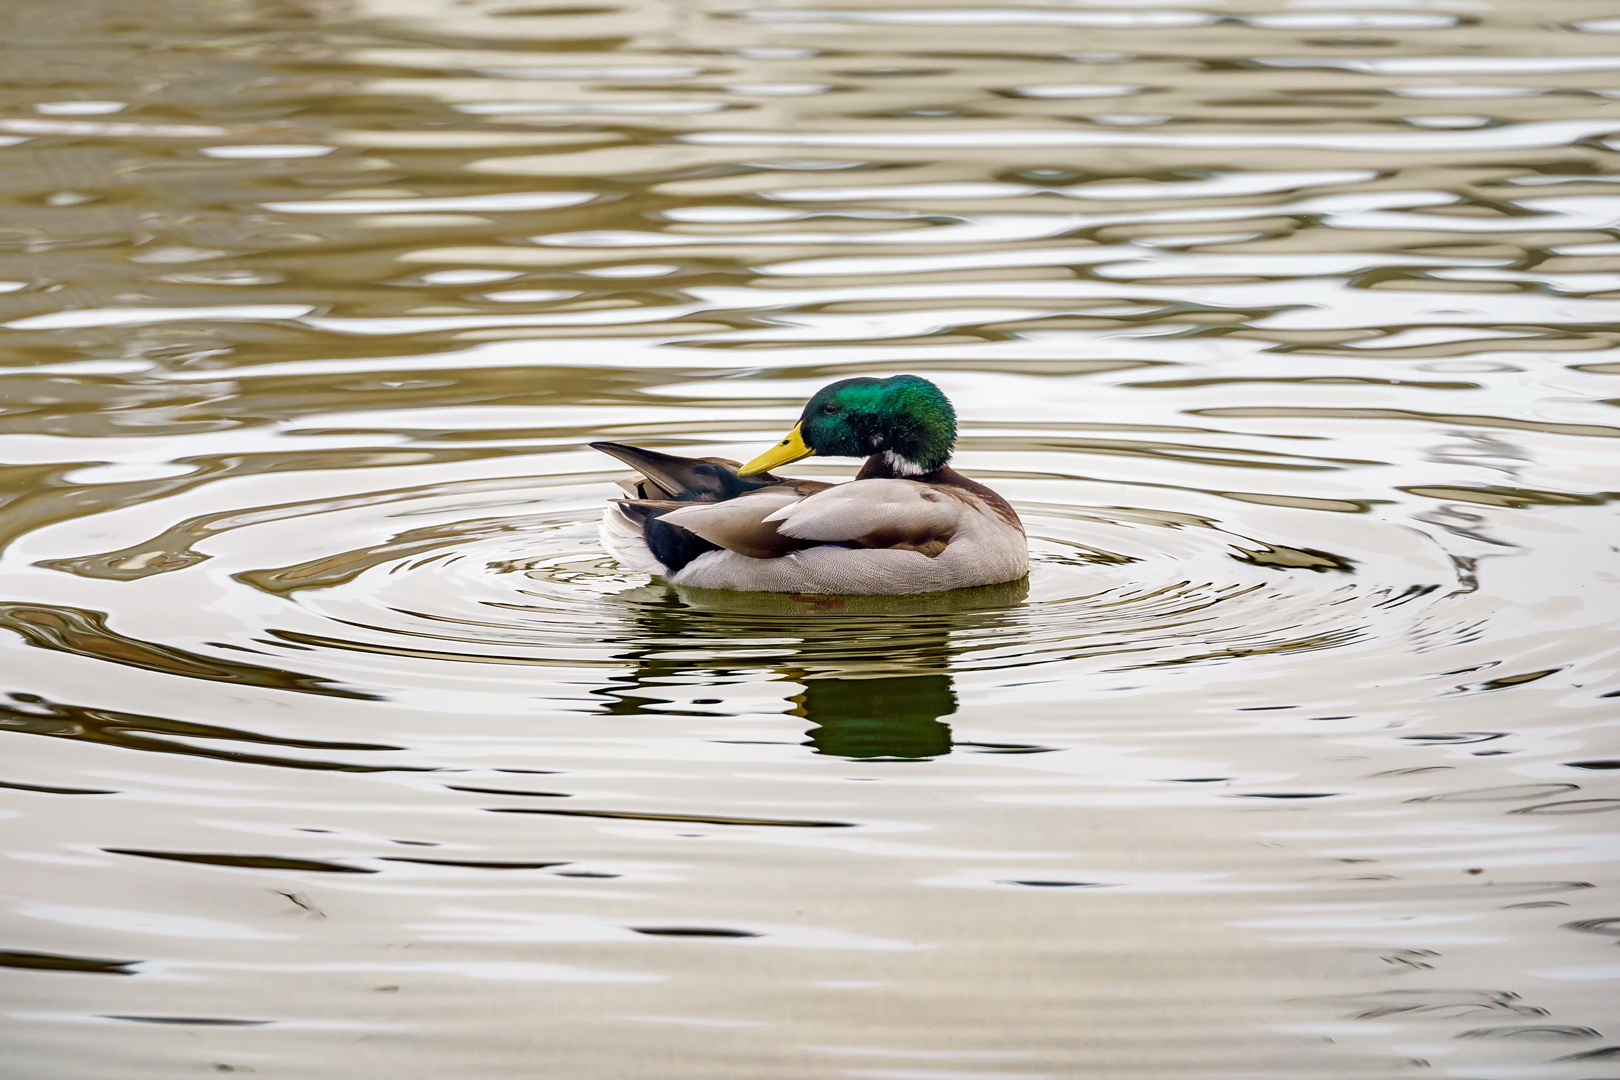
907	523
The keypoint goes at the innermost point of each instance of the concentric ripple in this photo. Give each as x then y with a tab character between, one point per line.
512	573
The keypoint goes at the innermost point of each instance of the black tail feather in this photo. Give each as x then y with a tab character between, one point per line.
674	476
687	479
680	480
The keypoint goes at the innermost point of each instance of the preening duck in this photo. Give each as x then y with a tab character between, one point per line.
907	523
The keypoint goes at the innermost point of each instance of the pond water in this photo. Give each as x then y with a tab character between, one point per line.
335	746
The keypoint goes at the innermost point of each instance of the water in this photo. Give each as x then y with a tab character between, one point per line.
336	747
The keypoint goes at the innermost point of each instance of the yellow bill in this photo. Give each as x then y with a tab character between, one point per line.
788	450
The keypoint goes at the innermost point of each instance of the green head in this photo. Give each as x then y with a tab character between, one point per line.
905	418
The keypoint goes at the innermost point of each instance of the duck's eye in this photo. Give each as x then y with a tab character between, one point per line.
830	408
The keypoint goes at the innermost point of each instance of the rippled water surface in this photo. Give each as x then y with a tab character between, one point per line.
333	745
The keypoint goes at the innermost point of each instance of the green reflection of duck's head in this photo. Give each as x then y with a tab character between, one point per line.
898	716
874	670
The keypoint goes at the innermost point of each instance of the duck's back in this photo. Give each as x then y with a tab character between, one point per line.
871	537
695	522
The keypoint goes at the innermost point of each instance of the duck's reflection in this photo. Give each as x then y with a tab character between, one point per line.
870	675
895	717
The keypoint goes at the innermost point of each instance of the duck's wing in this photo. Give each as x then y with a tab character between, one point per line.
899	514
886	513
745	524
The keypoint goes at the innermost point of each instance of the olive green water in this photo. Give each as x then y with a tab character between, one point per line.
335	747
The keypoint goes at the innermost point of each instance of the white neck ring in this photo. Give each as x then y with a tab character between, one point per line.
902	466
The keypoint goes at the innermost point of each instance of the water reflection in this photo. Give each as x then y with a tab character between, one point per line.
862	700
1289	330
879	717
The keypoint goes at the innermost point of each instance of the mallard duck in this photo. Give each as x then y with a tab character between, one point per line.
907	523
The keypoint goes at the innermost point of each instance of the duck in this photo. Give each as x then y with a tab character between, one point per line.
908	523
